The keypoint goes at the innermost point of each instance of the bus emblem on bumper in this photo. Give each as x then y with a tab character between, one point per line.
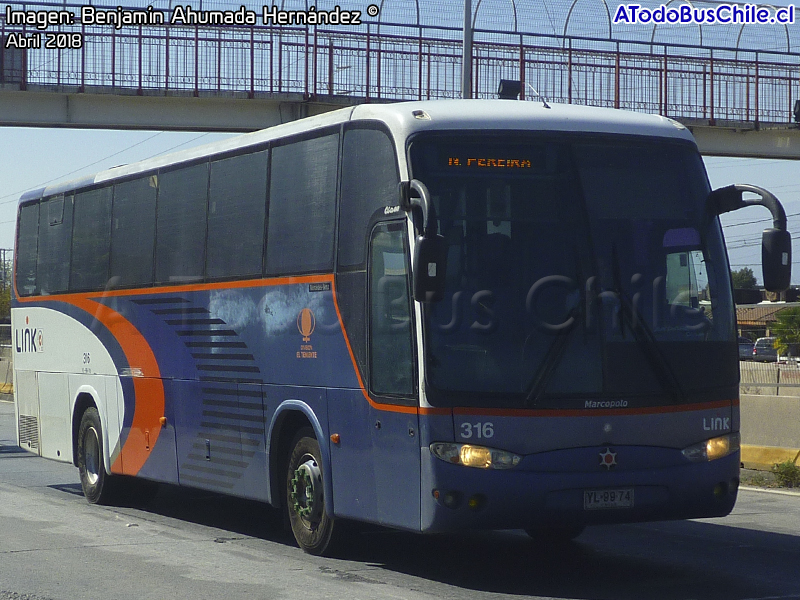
608	459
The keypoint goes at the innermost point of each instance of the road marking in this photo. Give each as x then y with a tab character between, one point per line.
748	488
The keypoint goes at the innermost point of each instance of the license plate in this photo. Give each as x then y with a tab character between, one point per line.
602	499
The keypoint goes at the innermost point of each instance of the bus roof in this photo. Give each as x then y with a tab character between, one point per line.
406	118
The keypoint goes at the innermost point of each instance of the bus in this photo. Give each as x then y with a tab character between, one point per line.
431	316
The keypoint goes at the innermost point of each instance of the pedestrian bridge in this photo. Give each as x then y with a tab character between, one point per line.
735	85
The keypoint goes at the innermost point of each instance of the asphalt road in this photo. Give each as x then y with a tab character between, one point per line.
193	545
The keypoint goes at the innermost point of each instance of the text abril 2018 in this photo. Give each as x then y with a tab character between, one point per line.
118	18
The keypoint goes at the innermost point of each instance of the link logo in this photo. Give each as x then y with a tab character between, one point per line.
28	339
717	424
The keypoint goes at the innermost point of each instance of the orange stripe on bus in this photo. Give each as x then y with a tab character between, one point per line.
172	289
411	410
149	390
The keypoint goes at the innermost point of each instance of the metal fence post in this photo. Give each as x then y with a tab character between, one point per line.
196	61
521	68
712	120
378	67
82	87
330	66
666	85
219	61
113	58
252	93
314	66
616	78
756	95
366	89
166	60
305	63
569	72
419	66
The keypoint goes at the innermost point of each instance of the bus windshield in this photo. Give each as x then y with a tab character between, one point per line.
582	271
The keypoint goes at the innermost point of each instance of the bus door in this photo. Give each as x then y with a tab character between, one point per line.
392	381
376	465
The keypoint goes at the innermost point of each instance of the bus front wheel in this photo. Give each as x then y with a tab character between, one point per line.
94	479
311	525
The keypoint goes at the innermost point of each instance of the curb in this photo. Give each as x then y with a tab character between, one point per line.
750	488
761	458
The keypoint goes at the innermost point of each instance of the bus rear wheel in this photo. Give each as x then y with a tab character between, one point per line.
305	499
96	483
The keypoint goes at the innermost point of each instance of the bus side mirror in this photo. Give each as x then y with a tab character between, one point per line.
429	268
776	243
776	259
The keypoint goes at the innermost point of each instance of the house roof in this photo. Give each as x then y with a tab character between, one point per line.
760	314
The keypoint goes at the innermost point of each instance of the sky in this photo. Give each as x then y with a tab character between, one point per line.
31	158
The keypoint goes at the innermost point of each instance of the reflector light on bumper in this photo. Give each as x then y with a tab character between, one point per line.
469	455
718	447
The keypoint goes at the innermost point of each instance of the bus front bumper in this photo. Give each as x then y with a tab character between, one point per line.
455	497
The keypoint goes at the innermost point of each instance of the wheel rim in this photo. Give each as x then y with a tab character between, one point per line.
91	456
306	492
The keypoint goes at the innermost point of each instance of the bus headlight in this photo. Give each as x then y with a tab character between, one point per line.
469	455
718	447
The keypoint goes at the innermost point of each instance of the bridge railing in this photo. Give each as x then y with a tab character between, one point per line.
390	62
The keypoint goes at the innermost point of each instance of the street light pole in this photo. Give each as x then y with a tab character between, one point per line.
466	54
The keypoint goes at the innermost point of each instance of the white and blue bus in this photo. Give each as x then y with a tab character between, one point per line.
433	316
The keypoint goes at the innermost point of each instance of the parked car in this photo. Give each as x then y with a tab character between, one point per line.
745	348
764	350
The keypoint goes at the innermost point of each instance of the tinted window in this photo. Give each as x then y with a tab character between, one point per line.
236	210
369	182
55	234
302	206
392	364
91	239
26	249
181	224
133	232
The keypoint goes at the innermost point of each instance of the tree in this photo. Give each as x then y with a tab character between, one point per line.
744	279
787	330
5	304
5	287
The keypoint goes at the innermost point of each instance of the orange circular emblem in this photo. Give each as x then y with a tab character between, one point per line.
306	322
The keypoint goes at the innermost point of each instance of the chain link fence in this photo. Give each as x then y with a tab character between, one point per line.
780	378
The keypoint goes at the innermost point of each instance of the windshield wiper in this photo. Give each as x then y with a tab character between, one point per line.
548	366
645	338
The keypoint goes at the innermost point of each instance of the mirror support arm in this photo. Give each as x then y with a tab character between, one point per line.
730	198
422	201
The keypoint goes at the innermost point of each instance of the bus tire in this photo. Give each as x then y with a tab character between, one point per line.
96	483
311	525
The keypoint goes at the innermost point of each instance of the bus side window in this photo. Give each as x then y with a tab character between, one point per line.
55	235
91	239
26	249
133	231
391	352
181	224
236	213
302	206
369	182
